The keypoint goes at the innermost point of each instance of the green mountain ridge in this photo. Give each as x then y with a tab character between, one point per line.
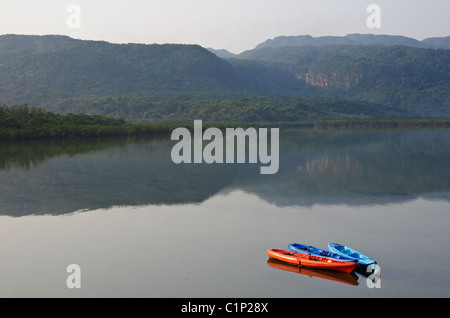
349	39
167	82
37	69
414	79
356	39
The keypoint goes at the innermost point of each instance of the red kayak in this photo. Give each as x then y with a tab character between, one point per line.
312	261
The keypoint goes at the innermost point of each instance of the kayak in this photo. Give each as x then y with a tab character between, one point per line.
346	251
312	261
300	248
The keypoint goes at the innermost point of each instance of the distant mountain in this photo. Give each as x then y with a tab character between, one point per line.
174	81
355	39
415	79
37	69
222	53
443	43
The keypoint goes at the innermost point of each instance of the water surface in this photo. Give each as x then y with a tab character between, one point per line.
140	226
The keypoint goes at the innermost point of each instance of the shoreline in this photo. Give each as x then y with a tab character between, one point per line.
163	129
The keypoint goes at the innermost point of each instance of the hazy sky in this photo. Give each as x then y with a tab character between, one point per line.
236	25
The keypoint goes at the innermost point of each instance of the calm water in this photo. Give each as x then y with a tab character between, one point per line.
140	226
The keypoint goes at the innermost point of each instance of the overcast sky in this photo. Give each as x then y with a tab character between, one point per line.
235	25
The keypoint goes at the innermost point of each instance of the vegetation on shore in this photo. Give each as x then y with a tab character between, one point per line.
25	122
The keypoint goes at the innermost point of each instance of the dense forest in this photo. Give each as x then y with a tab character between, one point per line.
414	79
39	69
61	74
235	108
24	122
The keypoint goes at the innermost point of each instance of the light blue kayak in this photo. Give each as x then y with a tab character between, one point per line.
346	251
306	249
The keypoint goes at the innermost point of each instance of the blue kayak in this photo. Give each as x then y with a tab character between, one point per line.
346	251
306	249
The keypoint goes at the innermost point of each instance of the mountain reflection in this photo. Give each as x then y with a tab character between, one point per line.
316	167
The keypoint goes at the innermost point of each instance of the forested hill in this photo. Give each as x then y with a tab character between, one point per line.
415	79
172	81
37	69
356	39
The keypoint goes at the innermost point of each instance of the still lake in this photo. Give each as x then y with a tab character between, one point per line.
139	225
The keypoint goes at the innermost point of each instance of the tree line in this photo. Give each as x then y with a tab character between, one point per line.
25	122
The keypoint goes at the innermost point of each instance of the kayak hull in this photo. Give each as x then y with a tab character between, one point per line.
301	248
346	251
311	261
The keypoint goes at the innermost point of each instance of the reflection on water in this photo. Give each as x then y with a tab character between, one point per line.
156	229
341	277
316	167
